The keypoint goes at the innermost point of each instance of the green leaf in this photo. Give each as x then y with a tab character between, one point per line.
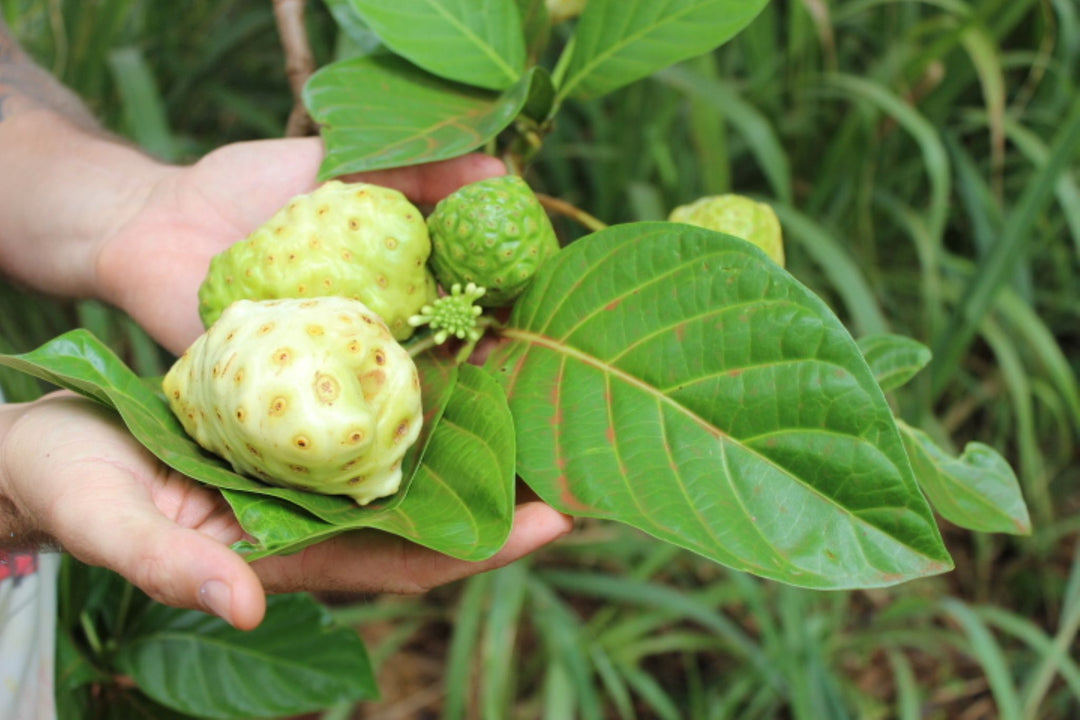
675	379
379	111
978	490
616	43
78	361
296	661
460	501
476	42
461	509
894	359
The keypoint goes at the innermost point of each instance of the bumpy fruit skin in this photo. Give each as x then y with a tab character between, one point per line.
350	239
493	233
562	10
739	216
311	394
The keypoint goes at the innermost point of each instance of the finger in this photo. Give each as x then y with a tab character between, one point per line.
431	182
373	562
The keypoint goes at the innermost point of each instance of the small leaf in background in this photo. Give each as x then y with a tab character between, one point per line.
379	112
977	490
296	661
616	43
460	502
476	42
675	379
894	359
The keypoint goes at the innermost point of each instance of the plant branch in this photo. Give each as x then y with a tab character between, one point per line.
299	61
561	207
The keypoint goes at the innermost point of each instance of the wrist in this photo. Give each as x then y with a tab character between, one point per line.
18	531
66	188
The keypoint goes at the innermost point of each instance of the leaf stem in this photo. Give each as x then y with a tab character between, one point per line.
561	207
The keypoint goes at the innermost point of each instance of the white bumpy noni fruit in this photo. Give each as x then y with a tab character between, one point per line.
312	394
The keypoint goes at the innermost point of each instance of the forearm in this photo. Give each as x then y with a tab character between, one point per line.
64	183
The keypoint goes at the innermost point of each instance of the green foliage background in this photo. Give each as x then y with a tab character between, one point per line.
899	141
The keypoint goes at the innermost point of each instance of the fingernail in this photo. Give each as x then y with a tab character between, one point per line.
216	597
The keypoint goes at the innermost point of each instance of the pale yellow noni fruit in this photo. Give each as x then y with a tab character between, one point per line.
312	394
736	215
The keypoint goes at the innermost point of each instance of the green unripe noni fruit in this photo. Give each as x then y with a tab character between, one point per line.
311	394
739	216
493	233
354	240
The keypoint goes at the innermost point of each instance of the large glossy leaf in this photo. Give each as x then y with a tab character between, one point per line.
282	519
296	661
977	490
476	42
460	502
894	359
620	41
674	379
379	111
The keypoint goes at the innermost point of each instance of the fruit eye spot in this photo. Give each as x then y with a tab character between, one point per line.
346	255
253	450
328	283
269	259
355	346
301	442
265	328
381	281
282	357
278	406
323	210
354	224
314	243
402	429
327	388
380	357
239	376
240	414
355	437
356	480
315	330
301	289
391	243
299	469
231	335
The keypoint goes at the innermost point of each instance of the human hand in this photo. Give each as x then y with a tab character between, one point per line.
70	467
152	264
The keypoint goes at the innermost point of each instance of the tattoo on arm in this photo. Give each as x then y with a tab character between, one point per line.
25	86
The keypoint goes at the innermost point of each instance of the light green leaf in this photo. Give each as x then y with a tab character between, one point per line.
978	490
618	42
675	379
476	42
296	661
894	359
379	111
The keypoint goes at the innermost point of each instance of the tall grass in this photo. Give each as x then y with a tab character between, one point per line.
922	157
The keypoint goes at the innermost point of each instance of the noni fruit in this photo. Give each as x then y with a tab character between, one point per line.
739	216
493	233
355	240
562	10
313	394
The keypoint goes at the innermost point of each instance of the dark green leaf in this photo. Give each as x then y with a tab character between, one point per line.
674	379
894	359
460	501
978	490
617	43
476	42
296	661
380	111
